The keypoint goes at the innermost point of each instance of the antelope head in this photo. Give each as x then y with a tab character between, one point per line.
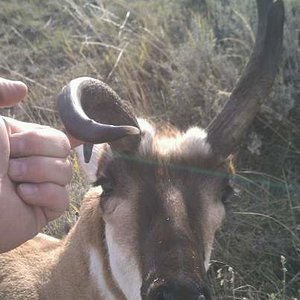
161	194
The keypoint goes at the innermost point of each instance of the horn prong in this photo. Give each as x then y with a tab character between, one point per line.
87	152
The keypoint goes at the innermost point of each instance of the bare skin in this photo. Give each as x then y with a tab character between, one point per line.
34	172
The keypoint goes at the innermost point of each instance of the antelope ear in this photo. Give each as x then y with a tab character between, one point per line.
91	168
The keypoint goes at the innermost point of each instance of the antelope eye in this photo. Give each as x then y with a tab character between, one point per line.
226	193
107	187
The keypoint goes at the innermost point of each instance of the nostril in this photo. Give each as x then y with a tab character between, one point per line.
175	289
165	293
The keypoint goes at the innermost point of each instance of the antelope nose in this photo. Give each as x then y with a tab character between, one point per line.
176	292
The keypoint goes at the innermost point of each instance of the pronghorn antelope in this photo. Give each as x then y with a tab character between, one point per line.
147	226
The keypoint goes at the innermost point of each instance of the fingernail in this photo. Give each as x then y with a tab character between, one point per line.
28	189
16	168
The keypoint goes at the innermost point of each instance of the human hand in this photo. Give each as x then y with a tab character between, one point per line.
34	171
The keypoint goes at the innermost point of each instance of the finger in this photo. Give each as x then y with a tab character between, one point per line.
37	169
42	142
15	126
11	92
51	198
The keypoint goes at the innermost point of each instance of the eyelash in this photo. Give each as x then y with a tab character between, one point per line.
103	178
97	182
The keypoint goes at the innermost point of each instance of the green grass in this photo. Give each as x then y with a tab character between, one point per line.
177	61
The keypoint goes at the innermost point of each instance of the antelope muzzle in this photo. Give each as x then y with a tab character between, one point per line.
176	289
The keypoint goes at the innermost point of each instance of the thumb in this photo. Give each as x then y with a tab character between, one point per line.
11	92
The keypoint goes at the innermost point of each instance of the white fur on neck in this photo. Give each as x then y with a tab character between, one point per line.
90	169
124	267
207	258
96	271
